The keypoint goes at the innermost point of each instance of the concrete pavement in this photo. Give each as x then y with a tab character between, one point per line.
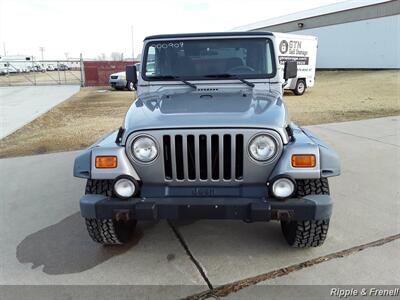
366	208
43	239
19	105
370	267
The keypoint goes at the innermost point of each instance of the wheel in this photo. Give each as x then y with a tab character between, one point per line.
130	86
309	233
300	87
110	232
107	231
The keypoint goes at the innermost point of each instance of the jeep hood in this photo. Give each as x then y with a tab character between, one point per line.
197	109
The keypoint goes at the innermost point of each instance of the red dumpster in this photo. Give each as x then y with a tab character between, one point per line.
97	72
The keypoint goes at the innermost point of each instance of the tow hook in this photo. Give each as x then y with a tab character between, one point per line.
283	215
122	215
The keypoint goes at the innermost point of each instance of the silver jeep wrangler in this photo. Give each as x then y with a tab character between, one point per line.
208	137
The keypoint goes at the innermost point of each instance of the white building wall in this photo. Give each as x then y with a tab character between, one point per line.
373	43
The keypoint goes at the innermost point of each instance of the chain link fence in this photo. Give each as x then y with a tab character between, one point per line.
41	72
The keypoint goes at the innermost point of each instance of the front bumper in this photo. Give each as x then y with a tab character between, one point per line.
118	83
312	207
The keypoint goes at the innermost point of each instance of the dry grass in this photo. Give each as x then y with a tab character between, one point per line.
86	116
347	95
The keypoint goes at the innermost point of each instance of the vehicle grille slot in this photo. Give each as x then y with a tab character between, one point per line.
203	156
239	157
227	156
179	157
191	154
214	157
167	157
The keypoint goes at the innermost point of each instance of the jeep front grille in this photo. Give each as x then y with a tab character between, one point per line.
203	157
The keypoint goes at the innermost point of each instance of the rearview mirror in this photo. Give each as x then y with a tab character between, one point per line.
290	70
131	74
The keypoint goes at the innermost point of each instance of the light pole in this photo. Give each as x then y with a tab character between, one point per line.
41	49
133	51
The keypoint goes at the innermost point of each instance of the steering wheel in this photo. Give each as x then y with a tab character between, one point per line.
241	69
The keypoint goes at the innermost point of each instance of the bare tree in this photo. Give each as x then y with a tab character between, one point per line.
102	56
116	56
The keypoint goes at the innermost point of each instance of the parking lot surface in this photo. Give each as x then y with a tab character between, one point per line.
43	239
20	105
365	208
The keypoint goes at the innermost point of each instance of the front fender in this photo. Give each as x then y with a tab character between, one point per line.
300	144
84	166
305	142
330	161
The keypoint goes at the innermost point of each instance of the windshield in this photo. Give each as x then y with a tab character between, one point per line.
209	59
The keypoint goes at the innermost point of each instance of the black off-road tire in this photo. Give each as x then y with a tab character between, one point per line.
110	232
107	231
300	87
100	187
130	86
312	187
309	233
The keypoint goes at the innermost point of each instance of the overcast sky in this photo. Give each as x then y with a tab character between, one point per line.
93	27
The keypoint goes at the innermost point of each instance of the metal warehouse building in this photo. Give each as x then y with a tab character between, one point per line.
351	34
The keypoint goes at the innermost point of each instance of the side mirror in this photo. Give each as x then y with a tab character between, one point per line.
131	74
290	70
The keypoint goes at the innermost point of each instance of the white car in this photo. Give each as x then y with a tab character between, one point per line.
38	68
118	81
9	69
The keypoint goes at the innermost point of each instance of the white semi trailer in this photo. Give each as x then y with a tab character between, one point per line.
303	50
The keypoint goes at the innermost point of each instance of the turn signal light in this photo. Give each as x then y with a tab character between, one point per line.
303	161
106	162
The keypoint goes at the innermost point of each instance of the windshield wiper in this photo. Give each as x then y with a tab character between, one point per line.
230	76
174	78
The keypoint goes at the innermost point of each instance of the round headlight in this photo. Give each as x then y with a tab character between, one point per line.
124	188
262	147
144	149
283	187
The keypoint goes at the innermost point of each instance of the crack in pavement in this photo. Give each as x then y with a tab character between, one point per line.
191	256
233	287
359	136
